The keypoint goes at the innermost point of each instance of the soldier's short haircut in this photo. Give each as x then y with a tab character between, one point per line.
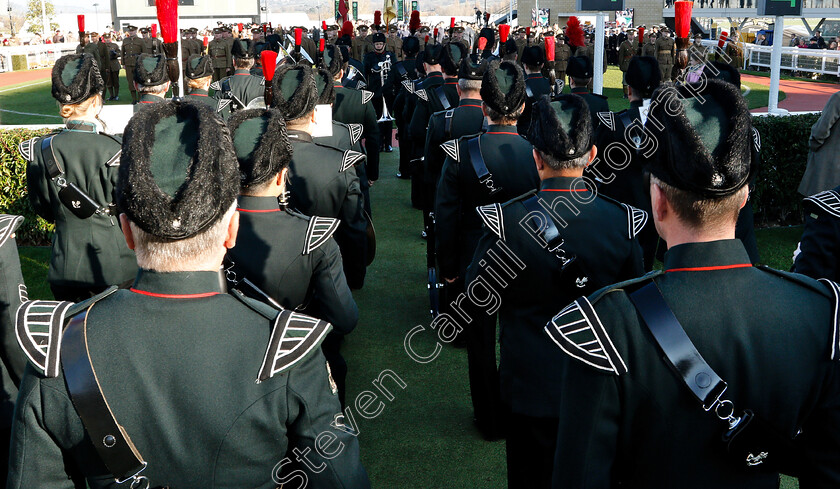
503	118
703	213
243	63
153	89
555	164
581	82
471	85
165	255
197	83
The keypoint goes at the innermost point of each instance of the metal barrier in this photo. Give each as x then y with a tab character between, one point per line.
820	61
37	56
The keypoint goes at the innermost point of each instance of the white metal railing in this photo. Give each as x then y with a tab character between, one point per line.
37	56
822	61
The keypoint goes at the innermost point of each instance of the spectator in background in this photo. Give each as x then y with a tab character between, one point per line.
823	170
58	37
761	40
820	40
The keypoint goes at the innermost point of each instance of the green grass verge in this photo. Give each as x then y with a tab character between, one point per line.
424	437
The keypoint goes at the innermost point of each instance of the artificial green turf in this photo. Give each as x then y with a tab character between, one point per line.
424	437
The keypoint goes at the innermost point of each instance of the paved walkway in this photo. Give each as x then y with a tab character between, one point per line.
801	95
15	77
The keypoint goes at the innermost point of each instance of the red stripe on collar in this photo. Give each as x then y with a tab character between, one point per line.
174	296
257	211
707	269
502	132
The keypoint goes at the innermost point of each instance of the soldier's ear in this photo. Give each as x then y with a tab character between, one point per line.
232	231
126	229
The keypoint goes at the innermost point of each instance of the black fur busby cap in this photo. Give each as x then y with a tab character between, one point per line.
198	66
490	35
151	70
472	68
326	87
411	46
725	72
295	93
579	67
261	144
561	128
643	74
378	37
433	54
510	47
453	53
503	87
76	78
332	60
178	174
533	56
703	147
242	48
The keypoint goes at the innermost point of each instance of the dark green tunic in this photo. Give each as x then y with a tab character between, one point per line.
356	107
201	97
819	256
597	103
85	252
177	360
627	420
244	87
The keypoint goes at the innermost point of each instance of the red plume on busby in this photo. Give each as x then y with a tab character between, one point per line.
346	29
268	59
436	32
414	22
205	41
377	17
81	20
574	32
167	14
324	25
240	27
504	32
722	39
452	23
298	38
641	35
549	48
682	17
482	43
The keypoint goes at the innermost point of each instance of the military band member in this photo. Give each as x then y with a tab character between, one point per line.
505	170
536	85
323	180
198	72
595	247
627	416
393	43
580	76
131	49
238	90
665	53
178	186
402	78
79	163
151	78
291	257
220	52
112	67
378	64
626	52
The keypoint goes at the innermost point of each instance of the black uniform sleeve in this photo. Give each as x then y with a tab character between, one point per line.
419	123
11	281
634	266
351	235
37	185
328	448
335	300
821	437
819	247
447	219
371	142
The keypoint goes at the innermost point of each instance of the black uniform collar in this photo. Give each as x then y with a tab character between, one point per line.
502	129
296	135
250	203
434	74
81	126
242	72
148	98
714	255
178	285
470	102
580	90
635	104
200	93
533	76
563	184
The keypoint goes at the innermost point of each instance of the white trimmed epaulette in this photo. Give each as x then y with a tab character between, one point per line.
636	220
409	86
350	159
25	148
8	225
320	230
356	131
294	335
828	201
607	119
262	82
835	330
223	103
492	217
422	94
115	160
39	326
452	149
216	85
756	140
578	331
366	96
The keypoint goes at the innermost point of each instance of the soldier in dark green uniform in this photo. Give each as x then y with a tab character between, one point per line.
628	415
816	255
626	128
291	257
400	80
238	90
220	52
536	85
112	63
583	243
323	180
580	75
71	179
151	79
12	359
131	49
224	385
505	170
198	72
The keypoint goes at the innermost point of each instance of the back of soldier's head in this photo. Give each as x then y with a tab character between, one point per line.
295	93
643	76
503	92
262	147
178	182
561	131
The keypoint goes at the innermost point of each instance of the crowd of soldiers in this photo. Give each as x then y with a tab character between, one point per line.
203	263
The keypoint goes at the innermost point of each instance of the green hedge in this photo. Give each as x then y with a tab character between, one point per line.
13	198
784	154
